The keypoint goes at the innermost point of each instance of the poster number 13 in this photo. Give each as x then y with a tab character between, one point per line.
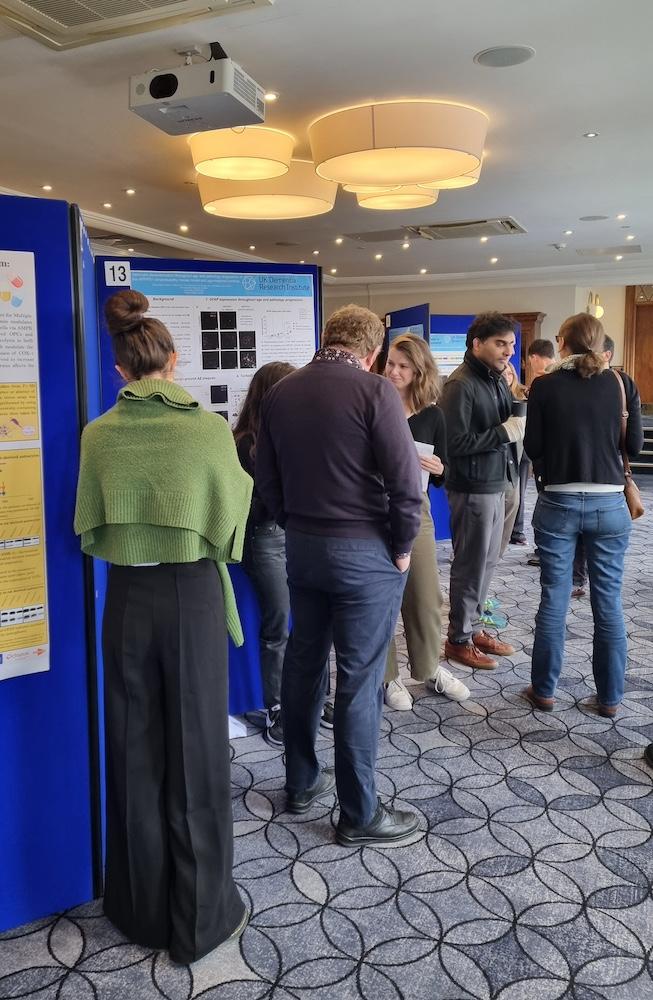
117	272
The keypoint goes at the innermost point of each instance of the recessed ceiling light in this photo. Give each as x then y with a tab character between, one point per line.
252	246
569	232
183	228
484	239
339	240
106	204
47	187
494	260
378	256
130	250
315	253
630	236
619	257
422	270
271	96
501	56
130	191
405	246
590	135
622	215
302	262
334	270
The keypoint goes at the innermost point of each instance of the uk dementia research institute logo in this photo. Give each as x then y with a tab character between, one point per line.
249	282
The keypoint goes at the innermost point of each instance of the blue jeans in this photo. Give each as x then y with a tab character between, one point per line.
347	590
264	561
603	522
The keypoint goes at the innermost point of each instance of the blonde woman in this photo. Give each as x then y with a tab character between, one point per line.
518	392
411	369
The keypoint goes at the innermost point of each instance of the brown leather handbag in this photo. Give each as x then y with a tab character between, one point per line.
631	490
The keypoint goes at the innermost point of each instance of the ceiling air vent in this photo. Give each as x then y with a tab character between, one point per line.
66	24
444	231
473	229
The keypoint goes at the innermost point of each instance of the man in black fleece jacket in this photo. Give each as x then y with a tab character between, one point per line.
337	466
480	429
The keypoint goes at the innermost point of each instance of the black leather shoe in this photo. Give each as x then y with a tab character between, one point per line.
301	802
648	754
388	827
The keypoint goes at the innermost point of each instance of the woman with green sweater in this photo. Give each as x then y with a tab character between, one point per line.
162	498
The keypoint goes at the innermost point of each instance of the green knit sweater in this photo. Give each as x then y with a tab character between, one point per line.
160	481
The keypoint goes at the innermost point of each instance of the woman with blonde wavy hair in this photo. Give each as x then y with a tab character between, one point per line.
411	369
573	432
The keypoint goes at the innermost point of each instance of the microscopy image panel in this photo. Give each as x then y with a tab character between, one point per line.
228	341
209	320
219	394
248	359
227	320
209	340
210	359
247	340
228	359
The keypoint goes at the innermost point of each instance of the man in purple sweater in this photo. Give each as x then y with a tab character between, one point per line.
337	466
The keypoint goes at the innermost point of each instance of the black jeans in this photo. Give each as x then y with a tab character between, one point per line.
264	561
348	589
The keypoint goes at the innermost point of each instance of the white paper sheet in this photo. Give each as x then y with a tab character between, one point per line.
426	450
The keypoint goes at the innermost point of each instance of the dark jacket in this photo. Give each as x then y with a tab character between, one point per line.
476	401
334	456
429	427
574	424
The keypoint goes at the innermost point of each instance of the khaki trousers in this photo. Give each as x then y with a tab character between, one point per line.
421	608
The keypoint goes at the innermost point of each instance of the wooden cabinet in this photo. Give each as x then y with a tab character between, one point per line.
531	323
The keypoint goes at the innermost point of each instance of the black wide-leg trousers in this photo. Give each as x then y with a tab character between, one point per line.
169	859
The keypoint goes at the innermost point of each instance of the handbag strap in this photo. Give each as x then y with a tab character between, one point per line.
624	422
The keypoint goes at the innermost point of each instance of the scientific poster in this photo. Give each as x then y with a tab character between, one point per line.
24	645
226	325
448	350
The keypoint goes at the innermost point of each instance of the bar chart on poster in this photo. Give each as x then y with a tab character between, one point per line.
23	606
226	325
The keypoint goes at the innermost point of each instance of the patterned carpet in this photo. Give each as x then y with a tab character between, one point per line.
530	878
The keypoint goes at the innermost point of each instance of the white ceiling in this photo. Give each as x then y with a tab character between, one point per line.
67	123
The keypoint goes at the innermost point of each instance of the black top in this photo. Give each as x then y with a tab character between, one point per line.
258	513
429	427
476	400
335	456
573	427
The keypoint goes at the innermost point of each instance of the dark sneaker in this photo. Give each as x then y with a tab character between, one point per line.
518	539
648	754
301	802
388	828
328	712
273	732
533	560
469	655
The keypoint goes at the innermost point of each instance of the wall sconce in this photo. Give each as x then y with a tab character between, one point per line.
594	307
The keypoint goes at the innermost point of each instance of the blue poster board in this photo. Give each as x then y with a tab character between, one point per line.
46	852
175	279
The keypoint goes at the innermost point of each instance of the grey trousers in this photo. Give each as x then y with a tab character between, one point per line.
476	529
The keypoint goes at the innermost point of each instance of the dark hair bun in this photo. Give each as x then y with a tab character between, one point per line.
124	311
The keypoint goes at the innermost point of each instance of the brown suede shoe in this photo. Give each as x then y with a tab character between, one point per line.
468	655
490	644
537	701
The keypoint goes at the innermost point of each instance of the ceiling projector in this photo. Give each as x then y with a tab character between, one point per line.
197	97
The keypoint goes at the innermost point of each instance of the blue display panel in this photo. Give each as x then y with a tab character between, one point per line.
414	319
171	285
45	815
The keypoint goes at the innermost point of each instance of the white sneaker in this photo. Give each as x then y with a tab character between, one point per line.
397	697
445	683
